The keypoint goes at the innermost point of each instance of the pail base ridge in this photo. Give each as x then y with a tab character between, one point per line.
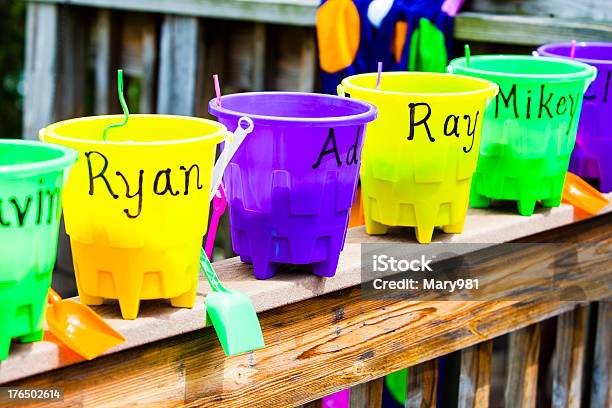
386	204
130	275
525	181
21	310
592	166
267	241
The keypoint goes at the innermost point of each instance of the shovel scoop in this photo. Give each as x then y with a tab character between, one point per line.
580	194
231	314
80	329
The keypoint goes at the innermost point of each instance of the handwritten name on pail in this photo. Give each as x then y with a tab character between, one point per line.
41	207
454	125
166	181
330	146
540	103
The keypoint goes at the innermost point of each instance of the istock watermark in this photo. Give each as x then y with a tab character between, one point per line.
511	271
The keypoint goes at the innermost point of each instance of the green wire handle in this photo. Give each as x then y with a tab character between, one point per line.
126	111
209	272
468	54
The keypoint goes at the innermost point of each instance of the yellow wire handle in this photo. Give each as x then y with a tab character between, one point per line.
126	111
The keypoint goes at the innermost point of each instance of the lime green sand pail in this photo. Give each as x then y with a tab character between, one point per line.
530	128
32	175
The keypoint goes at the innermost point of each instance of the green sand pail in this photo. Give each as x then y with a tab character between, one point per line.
31	178
529	129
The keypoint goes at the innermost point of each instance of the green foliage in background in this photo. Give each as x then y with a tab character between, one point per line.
12	40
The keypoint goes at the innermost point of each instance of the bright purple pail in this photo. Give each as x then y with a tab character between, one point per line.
291	184
590	158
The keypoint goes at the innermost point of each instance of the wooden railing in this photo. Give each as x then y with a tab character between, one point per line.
325	335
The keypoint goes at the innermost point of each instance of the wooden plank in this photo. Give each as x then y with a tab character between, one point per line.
259	57
71	63
296	59
158	321
422	385
510	29
40	71
475	376
291	12
177	65
102	50
568	363
368	394
522	378
601	388
240	57
586	10
149	64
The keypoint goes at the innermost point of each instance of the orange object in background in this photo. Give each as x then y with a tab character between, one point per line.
399	39
357	217
79	328
338	29
582	196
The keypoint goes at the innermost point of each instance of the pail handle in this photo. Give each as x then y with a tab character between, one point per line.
231	145
340	90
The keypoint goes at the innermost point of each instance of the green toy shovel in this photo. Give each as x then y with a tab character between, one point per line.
232	315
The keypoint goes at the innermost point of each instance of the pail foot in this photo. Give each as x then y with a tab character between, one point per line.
90	300
424	233
375	227
128	293
186	300
5	345
478	200
325	269
454	228
32	337
526	207
263	269
551	202
246	259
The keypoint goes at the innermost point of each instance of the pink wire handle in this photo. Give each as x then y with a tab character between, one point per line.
219	205
217	89
573	49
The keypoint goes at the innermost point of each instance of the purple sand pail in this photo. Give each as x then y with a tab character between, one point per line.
291	184
590	158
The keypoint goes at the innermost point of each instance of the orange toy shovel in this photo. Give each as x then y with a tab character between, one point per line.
580	194
80	328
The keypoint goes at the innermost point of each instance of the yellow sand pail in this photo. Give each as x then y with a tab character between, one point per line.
136	205
419	155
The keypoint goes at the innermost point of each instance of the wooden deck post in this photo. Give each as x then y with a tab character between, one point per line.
601	391
522	379
568	363
40	71
475	376
422	385
177	65
367	395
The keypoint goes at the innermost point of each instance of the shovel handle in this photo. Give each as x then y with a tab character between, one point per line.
54	297
209	272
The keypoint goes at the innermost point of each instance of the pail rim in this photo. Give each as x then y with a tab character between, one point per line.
67	158
359	118
50	131
587	72
487	85
543	50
